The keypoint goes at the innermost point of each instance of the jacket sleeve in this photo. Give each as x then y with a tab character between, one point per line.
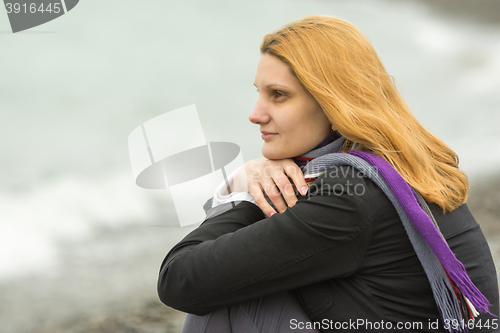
238	255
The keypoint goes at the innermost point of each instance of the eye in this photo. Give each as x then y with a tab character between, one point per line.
278	94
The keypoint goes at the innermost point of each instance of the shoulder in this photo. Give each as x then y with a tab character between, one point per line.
341	196
341	179
345	182
455	222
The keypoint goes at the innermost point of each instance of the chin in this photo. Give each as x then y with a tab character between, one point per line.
274	155
269	155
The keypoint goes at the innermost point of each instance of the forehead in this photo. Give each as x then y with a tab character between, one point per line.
272	71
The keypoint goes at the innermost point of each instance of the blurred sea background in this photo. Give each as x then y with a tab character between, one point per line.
80	243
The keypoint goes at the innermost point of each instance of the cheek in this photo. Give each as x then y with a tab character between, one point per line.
288	124
312	114
320	119
315	123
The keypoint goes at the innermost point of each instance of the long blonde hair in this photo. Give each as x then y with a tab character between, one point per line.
338	65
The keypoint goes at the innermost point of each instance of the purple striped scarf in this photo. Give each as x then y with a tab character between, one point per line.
456	296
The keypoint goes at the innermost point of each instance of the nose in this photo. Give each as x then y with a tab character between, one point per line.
259	115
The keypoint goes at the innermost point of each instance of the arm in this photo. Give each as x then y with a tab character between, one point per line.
239	193
276	178
236	256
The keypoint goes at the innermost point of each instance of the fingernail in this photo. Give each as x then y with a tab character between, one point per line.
303	190
271	214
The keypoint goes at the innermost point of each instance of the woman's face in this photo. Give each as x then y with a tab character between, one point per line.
290	119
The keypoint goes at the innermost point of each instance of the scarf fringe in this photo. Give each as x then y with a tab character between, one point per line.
472	295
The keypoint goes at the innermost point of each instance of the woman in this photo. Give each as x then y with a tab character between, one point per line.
349	254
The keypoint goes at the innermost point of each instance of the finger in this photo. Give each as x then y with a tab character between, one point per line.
275	196
257	193
286	188
295	173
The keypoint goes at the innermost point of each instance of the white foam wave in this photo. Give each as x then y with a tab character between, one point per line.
66	210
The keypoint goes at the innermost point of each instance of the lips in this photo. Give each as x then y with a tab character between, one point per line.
267	135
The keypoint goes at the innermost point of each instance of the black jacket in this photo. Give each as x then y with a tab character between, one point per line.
342	248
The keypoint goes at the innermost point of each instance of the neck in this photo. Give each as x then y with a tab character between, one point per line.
304	158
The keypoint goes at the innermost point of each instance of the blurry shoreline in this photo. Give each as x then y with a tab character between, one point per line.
484	12
98	293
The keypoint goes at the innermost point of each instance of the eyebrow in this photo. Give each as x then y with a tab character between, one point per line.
273	85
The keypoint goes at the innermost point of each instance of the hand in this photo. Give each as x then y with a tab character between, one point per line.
273	178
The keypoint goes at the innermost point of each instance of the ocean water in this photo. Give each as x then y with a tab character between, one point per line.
73	89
